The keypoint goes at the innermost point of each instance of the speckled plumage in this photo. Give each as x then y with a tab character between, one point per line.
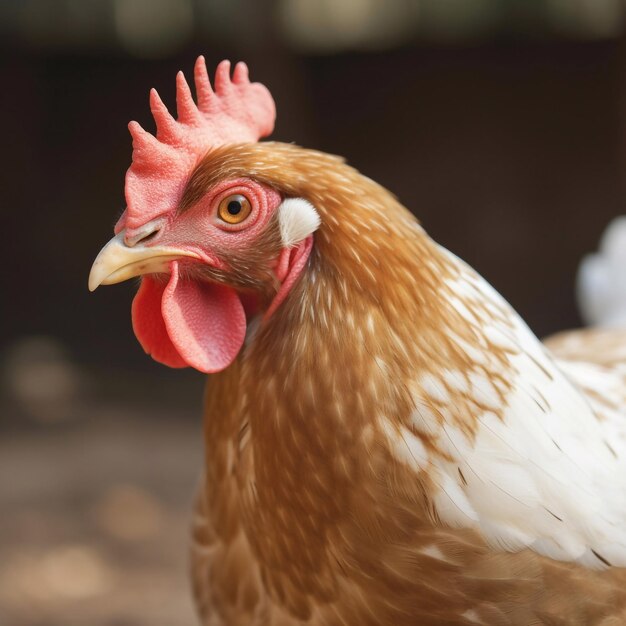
393	445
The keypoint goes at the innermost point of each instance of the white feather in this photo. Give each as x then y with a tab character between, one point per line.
297	219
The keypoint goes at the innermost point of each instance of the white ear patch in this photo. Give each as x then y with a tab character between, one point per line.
297	219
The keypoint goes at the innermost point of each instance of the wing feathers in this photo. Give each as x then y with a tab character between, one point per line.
536	472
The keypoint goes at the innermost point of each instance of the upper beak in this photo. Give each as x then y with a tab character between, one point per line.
118	261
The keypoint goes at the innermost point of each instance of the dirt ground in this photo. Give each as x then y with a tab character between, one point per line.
95	501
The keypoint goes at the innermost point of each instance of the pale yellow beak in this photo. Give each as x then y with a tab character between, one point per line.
118	261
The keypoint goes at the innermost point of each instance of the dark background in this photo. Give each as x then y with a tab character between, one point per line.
497	122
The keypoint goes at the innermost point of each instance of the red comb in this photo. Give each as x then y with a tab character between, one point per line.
237	111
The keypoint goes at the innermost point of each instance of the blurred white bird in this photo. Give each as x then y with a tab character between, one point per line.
601	283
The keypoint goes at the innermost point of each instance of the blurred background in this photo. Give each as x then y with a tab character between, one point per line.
499	123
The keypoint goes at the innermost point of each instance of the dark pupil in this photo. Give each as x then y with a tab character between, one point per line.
234	207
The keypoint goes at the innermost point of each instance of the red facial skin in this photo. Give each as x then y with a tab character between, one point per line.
200	230
193	321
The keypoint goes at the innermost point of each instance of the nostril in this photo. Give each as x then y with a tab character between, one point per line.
148	237
132	240
142	235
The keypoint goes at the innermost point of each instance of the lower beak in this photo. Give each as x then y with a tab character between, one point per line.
117	262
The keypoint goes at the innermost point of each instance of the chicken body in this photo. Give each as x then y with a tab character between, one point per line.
394	446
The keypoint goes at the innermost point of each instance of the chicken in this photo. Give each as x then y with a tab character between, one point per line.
386	440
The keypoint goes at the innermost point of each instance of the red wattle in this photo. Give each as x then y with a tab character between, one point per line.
149	325
189	322
205	321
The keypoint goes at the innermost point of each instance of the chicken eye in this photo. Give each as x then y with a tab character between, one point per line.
234	209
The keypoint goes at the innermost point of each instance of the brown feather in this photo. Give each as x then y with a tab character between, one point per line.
304	515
